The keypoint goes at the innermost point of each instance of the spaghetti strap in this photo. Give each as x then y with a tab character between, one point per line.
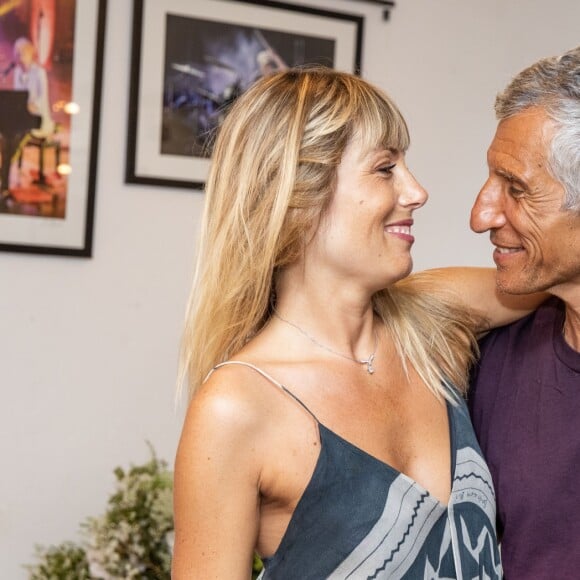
266	376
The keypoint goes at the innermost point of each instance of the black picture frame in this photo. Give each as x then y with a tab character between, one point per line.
70	233
191	59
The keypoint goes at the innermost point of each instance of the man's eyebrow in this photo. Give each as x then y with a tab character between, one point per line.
510	176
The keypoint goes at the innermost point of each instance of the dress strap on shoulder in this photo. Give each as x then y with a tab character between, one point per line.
250	365
266	376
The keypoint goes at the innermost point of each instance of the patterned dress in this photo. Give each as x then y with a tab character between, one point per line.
359	518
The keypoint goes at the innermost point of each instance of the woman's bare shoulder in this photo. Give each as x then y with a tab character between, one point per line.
235	402
218	469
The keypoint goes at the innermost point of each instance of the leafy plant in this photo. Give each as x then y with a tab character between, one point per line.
257	567
132	539
67	561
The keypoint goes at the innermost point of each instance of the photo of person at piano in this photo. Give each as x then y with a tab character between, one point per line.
37	54
30	76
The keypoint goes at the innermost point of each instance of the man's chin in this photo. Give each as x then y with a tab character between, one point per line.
509	285
520	282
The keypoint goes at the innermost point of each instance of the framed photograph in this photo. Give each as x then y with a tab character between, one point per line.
51	61
191	60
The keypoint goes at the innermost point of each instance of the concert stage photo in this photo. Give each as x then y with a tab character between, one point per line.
36	59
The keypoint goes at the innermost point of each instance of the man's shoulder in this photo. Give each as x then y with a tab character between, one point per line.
509	355
533	327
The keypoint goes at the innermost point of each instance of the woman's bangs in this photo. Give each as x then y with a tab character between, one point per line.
381	125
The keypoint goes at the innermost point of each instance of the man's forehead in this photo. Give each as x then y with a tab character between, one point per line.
523	138
528	125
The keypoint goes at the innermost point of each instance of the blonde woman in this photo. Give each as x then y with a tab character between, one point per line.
331	435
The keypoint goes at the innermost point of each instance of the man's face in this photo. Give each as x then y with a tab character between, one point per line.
537	242
26	55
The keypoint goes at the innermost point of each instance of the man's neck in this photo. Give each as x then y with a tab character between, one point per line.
569	293
572	327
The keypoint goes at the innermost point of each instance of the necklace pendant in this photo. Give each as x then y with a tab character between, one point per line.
369	362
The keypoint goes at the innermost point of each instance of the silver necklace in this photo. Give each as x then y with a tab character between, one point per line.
369	361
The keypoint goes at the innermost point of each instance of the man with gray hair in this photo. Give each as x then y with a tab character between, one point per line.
525	398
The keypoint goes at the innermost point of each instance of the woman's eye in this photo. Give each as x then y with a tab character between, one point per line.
387	169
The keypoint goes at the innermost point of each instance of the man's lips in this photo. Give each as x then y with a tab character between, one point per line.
505	252
505	247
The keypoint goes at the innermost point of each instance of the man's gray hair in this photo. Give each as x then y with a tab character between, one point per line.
553	84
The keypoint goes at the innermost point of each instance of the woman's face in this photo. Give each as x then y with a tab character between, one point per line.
366	234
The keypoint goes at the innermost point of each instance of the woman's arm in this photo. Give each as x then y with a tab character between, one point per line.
476	290
216	495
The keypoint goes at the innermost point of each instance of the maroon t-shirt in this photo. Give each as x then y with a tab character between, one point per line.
525	407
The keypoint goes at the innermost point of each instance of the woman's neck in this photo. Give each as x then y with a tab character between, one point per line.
339	317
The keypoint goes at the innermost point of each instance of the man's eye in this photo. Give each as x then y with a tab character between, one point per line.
515	191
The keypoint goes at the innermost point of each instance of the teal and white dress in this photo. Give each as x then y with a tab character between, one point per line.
359	518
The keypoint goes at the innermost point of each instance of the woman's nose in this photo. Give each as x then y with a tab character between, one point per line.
414	194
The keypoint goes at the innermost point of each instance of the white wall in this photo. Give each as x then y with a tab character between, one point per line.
88	348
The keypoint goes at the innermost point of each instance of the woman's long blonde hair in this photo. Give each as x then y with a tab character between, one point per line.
272	177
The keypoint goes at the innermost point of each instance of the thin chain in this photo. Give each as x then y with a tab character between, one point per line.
369	361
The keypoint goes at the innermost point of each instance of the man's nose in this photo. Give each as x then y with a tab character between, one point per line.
487	211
